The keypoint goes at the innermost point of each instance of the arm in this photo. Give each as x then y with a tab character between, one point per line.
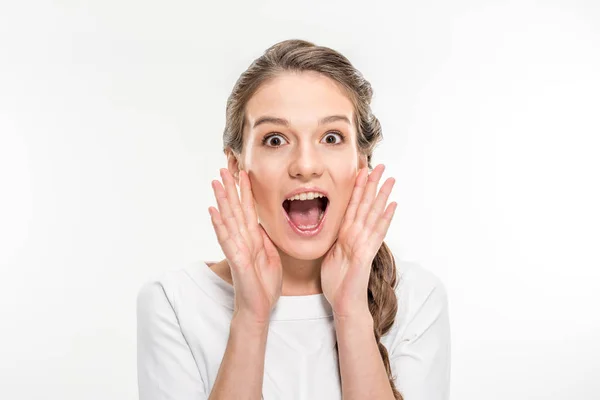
420	362
241	372
421	358
361	366
167	369
165	364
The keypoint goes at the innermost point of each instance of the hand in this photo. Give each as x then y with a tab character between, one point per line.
253	258
346	267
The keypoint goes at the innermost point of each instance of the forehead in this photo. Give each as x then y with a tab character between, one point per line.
300	97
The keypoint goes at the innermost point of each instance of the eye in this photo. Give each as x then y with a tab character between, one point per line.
274	143
330	134
275	140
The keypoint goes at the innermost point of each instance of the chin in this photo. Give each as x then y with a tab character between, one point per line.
306	251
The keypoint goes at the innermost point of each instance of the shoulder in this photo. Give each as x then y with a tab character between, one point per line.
422	296
165	285
416	282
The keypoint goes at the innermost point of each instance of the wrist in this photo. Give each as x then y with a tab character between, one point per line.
241	323
360	318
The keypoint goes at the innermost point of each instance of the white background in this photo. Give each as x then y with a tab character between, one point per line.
111	115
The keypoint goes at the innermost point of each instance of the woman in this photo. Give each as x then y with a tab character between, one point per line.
308	302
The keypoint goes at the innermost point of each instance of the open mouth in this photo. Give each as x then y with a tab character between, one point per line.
306	216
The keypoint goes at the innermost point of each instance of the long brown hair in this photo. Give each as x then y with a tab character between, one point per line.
299	55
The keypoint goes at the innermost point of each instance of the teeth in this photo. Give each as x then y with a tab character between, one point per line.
306	196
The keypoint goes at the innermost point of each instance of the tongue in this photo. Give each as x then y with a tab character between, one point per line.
304	213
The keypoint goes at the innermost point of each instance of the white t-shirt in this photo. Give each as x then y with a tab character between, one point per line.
183	320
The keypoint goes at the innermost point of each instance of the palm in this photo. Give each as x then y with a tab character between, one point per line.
254	260
346	267
272	274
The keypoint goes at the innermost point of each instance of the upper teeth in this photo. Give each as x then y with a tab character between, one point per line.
306	196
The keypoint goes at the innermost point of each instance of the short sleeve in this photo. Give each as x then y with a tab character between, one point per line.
165	364
421	360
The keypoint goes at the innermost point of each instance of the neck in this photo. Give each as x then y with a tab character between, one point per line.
300	277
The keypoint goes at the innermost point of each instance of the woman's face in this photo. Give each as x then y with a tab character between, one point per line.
299	151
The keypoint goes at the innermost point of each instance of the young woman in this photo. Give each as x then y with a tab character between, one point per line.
308	302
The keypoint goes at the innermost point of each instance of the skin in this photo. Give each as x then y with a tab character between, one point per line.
336	262
304	153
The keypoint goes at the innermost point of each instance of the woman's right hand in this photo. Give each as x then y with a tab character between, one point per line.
253	258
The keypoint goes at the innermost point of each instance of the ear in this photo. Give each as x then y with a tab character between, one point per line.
233	165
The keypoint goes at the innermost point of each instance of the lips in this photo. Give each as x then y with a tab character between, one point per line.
304	229
311	231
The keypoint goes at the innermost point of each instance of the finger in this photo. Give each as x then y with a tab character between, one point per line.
384	222
380	202
232	196
234	204
225	240
369	193
269	246
226	214
249	208
220	228
359	187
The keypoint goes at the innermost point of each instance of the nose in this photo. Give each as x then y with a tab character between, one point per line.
306	162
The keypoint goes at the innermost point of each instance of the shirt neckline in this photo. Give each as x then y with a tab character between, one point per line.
287	308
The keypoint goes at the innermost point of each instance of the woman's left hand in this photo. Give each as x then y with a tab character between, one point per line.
346	267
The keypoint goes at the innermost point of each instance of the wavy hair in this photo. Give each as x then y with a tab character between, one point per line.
296	55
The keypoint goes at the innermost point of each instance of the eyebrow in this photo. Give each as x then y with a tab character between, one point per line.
281	121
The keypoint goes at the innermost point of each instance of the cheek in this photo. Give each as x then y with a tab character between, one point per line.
344	189
347	181
266	196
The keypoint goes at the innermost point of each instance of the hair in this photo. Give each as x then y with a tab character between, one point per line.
296	55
